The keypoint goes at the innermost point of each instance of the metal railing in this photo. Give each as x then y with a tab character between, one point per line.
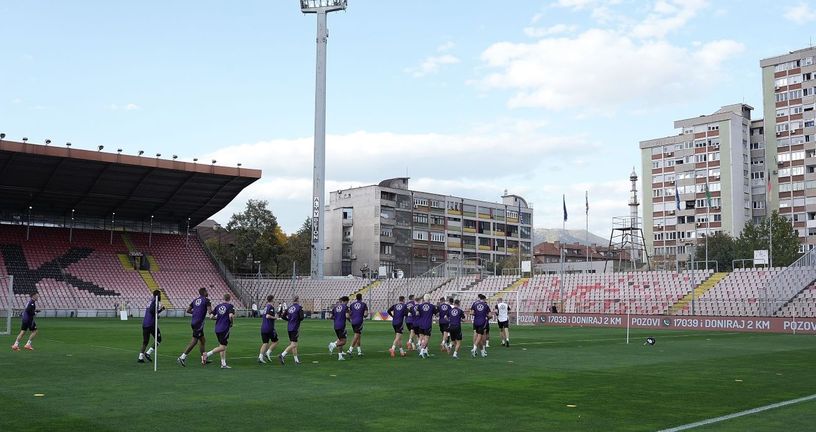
780	288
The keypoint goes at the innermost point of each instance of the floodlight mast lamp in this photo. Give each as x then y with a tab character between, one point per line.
321	8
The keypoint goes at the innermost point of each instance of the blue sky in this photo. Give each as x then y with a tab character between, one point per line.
541	98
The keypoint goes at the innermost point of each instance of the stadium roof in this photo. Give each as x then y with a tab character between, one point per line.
55	180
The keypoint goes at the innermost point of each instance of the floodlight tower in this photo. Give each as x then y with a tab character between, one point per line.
321	8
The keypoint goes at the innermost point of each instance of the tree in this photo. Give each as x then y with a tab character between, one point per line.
755	237
721	248
257	237
298	250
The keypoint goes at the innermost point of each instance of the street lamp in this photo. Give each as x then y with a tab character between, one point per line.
71	232
321	8
28	228
113	224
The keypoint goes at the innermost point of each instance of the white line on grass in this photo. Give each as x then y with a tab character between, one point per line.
740	414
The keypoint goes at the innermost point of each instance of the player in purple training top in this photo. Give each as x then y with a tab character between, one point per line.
358	312
199	309
444	308
149	326
481	313
28	323
409	322
455	315
294	314
224	315
269	337
397	312
340	316
426	313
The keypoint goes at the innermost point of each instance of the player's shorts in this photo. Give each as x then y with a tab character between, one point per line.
424	332
29	325
416	328
397	328
266	337
147	332
480	330
487	328
455	333
443	327
341	333
357	328
293	336
198	330
409	325
504	324
223	337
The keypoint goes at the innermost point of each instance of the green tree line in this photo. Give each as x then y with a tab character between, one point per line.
253	238
724	249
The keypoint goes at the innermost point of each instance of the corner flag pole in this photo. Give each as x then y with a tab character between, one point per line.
156	333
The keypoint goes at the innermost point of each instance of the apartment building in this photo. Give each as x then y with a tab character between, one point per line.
708	157
392	228
789	94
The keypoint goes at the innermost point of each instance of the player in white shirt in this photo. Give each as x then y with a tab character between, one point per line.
503	314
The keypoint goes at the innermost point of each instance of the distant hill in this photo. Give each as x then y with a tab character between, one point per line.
567	236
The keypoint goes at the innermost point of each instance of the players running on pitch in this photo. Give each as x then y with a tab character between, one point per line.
150	326
340	315
28	324
199	308
398	313
503	317
269	337
224	315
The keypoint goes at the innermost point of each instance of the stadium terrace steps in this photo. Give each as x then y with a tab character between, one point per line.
803	304
512	287
124	259
152	285
367	288
697	292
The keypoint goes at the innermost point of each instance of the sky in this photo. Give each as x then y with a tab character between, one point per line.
539	98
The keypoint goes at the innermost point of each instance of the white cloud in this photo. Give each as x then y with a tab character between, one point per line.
802	13
479	163
601	69
125	107
447	46
432	64
667	16
539	32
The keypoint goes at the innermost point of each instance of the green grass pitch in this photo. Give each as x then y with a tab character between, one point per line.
87	371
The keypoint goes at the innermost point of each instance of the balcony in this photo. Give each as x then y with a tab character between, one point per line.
387	202
387	239
348	222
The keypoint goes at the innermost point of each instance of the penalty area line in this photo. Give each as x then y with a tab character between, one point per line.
740	414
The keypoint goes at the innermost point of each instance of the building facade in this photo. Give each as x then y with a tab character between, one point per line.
788	87
402	231
696	183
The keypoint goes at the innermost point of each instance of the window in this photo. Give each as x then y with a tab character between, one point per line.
438	237
420	218
420	202
421	235
348	214
437	204
454	205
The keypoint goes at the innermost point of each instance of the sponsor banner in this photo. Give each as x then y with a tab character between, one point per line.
381	316
742	324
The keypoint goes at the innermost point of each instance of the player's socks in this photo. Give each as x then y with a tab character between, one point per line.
359	351
283	354
149	351
340	356
269	355
332	346
297	360
183	356
141	358
261	359
487	344
209	354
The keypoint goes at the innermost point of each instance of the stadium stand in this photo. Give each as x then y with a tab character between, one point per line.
88	272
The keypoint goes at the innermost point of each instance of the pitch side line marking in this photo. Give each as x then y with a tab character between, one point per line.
740	414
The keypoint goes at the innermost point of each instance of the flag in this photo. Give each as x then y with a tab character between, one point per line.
586	198
564	198
677	196
708	195
768	180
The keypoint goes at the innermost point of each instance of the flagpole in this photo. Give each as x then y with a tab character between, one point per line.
769	213
708	219
561	244
587	230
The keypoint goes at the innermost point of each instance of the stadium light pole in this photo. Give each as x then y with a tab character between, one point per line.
150	235
28	227
187	238
113	223
71	231
321	8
